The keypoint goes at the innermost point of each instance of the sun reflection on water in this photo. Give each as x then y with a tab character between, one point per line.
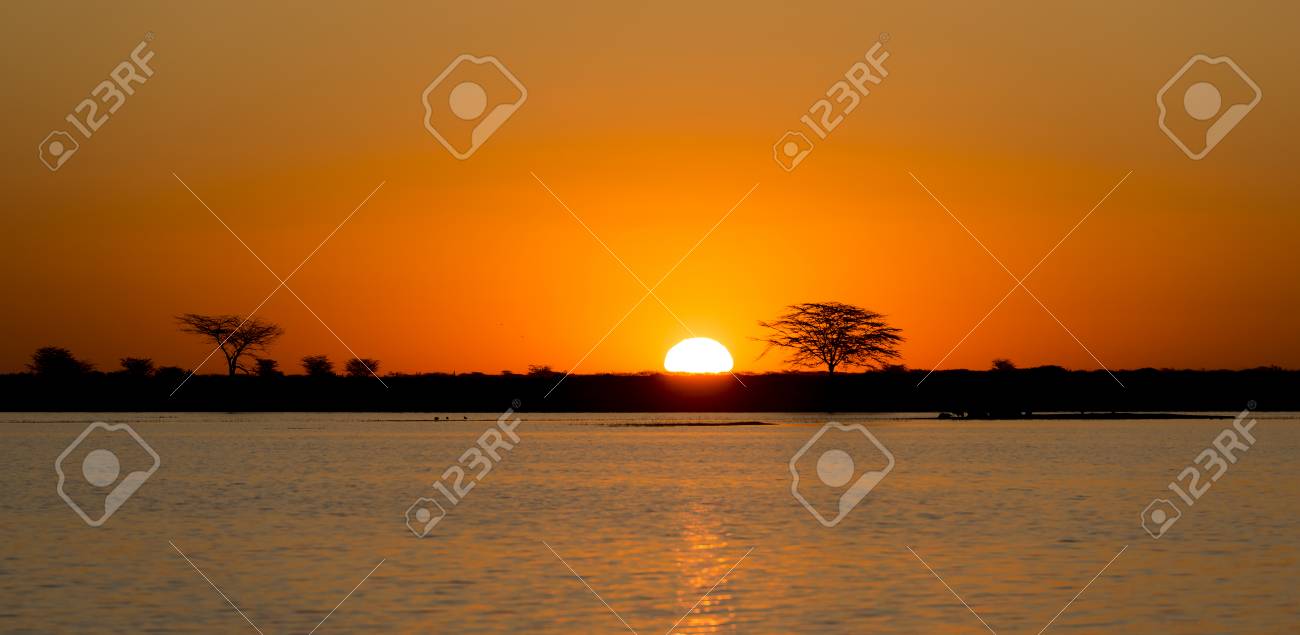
703	558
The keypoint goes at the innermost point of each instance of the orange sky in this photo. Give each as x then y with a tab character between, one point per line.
650	122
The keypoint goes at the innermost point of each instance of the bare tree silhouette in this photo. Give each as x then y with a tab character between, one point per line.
832	334
361	367
318	366
234	335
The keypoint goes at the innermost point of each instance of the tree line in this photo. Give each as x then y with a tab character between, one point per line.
238	339
56	361
831	335
825	339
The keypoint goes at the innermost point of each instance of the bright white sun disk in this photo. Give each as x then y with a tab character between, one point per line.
698	355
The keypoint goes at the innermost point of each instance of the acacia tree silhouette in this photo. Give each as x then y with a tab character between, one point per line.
832	334
234	335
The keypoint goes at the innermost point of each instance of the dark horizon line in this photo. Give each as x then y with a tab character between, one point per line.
900	369
1007	391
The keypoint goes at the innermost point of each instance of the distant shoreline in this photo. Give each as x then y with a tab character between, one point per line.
963	394
1090	416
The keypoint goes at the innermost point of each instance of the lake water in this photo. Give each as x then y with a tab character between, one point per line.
287	513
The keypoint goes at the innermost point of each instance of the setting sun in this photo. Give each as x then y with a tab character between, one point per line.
859	238
698	355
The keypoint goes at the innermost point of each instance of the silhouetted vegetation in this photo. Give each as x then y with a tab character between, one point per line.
233	335
138	367
53	361
172	375
833	334
318	366
268	368
962	393
361	367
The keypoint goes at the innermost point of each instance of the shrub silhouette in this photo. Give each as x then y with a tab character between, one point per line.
318	366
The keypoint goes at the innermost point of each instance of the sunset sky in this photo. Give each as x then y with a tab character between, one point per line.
651	121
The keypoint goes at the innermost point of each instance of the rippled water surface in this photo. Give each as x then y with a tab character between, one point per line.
287	514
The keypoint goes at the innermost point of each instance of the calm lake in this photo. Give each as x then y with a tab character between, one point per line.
300	520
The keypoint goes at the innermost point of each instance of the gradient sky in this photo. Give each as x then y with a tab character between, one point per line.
650	121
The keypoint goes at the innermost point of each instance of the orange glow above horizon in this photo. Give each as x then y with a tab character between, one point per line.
475	266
